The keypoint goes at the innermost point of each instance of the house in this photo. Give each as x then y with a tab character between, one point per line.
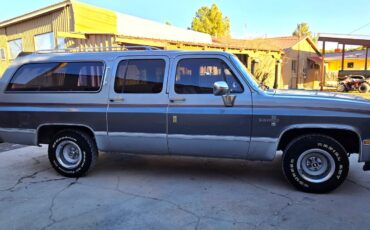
299	66
354	61
300	63
82	27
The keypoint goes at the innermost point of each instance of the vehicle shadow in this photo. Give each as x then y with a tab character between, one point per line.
181	167
256	173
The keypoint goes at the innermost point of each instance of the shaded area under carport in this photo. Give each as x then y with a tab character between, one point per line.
344	39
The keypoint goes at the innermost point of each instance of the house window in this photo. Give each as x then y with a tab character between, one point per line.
44	41
350	65
61	43
15	48
294	66
2	54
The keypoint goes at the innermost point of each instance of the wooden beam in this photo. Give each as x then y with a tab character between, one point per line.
343	51
366	53
70	35
322	67
137	41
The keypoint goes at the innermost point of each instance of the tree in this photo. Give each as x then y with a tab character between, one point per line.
168	23
210	20
302	30
264	70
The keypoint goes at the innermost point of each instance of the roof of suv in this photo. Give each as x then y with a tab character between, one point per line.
108	55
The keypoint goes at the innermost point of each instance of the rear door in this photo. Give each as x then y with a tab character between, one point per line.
137	112
198	122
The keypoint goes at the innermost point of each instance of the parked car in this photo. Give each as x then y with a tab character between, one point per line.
354	82
178	103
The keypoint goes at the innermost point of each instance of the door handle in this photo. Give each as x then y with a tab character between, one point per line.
177	99
116	99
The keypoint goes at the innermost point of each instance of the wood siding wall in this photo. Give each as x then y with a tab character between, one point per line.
54	22
60	20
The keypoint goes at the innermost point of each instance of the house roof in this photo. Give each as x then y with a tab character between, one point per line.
165	42
35	13
348	39
274	43
91	19
357	54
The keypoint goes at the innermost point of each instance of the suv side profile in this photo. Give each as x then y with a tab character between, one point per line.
178	103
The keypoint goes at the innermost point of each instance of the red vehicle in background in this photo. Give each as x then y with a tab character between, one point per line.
354	82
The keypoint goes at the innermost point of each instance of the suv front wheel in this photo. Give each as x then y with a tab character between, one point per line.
72	153
315	163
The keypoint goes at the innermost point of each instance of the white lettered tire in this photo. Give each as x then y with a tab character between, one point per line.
315	163
72	153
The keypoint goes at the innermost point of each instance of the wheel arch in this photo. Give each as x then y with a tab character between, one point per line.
45	132
347	136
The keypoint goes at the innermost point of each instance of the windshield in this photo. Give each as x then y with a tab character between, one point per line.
245	71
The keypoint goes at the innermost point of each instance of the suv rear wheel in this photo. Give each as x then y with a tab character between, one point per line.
315	163
72	153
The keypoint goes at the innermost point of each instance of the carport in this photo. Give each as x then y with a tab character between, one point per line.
344	39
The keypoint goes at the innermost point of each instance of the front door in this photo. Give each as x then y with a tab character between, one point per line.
137	112
198	122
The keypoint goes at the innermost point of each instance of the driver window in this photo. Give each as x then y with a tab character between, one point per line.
197	76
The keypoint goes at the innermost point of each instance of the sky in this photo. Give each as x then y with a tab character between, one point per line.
249	18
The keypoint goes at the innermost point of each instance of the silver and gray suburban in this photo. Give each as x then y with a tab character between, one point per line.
178	103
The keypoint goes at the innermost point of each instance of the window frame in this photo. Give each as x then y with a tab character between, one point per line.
226	64
58	92
128	59
10	49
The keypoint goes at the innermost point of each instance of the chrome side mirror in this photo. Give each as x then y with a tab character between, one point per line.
221	88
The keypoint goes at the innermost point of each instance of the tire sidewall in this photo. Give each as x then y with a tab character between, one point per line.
341	88
327	144
83	166
363	88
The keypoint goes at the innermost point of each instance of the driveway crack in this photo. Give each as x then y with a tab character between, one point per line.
21	180
52	204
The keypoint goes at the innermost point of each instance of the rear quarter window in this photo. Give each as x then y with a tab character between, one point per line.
58	77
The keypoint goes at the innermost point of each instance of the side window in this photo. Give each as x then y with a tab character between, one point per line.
140	76
2	54
15	47
44	41
197	76
58	76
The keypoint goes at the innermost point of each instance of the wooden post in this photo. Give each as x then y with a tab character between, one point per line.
366	53
322	67
276	81
343	50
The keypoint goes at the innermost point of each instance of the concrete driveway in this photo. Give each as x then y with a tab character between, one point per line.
146	192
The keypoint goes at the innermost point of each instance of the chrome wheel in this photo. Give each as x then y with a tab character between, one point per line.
316	165
68	154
